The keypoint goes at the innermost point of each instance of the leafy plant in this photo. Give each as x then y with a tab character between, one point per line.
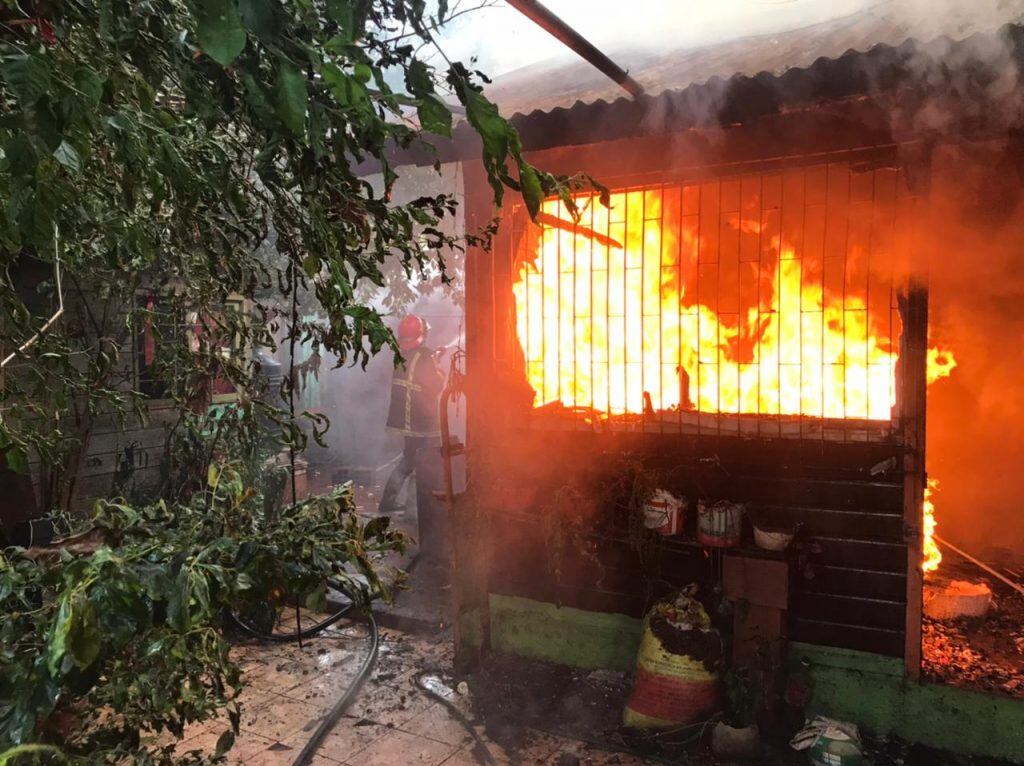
744	696
160	163
206	152
104	650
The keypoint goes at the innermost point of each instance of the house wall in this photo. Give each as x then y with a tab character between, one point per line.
863	687
854	591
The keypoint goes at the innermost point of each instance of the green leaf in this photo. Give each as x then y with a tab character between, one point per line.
75	633
417	78
290	98
346	90
311	265
531	188
66	155
317	600
362	73
219	30
434	116
177	604
89	84
224	743
28	75
258	16
350	15
16	459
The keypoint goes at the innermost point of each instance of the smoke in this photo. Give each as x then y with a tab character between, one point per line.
976	274
502	39
355	399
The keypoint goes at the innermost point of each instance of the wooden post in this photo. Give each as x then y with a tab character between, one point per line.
469	534
913	400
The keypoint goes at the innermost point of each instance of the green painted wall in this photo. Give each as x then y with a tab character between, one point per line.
868	689
871	690
562	634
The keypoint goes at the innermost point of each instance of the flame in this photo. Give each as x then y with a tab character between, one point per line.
941	364
609	320
614	314
931	555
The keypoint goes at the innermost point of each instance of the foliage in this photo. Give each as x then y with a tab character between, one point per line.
185	174
104	650
155	145
744	692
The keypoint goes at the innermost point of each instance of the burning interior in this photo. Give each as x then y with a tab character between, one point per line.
768	295
744	320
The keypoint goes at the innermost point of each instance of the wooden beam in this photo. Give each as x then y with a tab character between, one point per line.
913	386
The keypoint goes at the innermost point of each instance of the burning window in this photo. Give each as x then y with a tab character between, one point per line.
769	294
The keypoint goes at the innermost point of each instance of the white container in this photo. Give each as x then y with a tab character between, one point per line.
771	540
664	513
719	525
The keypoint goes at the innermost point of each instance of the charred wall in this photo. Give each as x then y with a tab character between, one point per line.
849	496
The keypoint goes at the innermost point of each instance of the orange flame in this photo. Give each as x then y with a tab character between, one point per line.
932	556
941	364
614	314
605	319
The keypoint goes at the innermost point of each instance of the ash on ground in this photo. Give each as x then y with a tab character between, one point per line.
981	653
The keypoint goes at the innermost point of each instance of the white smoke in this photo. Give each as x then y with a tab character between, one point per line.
502	39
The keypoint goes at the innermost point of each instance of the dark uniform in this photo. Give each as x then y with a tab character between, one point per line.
415	389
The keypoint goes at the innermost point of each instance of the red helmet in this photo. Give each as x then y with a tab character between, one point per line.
412	332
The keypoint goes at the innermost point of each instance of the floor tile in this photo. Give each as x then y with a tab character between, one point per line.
401	748
246	745
280	717
349	737
466	757
437	723
390	703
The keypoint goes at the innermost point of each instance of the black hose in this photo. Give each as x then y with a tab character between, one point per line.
298	635
334	715
480	750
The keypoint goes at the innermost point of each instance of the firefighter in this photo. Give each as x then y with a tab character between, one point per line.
415	388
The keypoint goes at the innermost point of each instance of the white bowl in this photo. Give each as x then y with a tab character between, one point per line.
771	540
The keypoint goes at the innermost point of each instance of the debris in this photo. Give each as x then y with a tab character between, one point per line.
462	688
982	565
956	598
736	743
982	653
676	683
830	742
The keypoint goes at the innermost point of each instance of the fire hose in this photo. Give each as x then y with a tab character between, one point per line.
338	710
335	713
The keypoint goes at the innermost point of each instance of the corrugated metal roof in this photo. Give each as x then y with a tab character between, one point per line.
973	74
970	75
545	87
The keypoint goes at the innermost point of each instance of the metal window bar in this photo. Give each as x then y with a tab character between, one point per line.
591	306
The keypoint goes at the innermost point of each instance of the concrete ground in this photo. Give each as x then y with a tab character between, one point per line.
391	723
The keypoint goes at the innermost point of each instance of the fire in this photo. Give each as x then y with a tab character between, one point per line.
932	556
941	364
623	312
614	312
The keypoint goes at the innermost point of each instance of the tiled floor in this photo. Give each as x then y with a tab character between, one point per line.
392	723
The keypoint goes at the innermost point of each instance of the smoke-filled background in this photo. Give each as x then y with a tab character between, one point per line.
975	259
971	252
356	399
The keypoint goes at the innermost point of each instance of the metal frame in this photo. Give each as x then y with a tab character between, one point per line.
491	341
791	224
